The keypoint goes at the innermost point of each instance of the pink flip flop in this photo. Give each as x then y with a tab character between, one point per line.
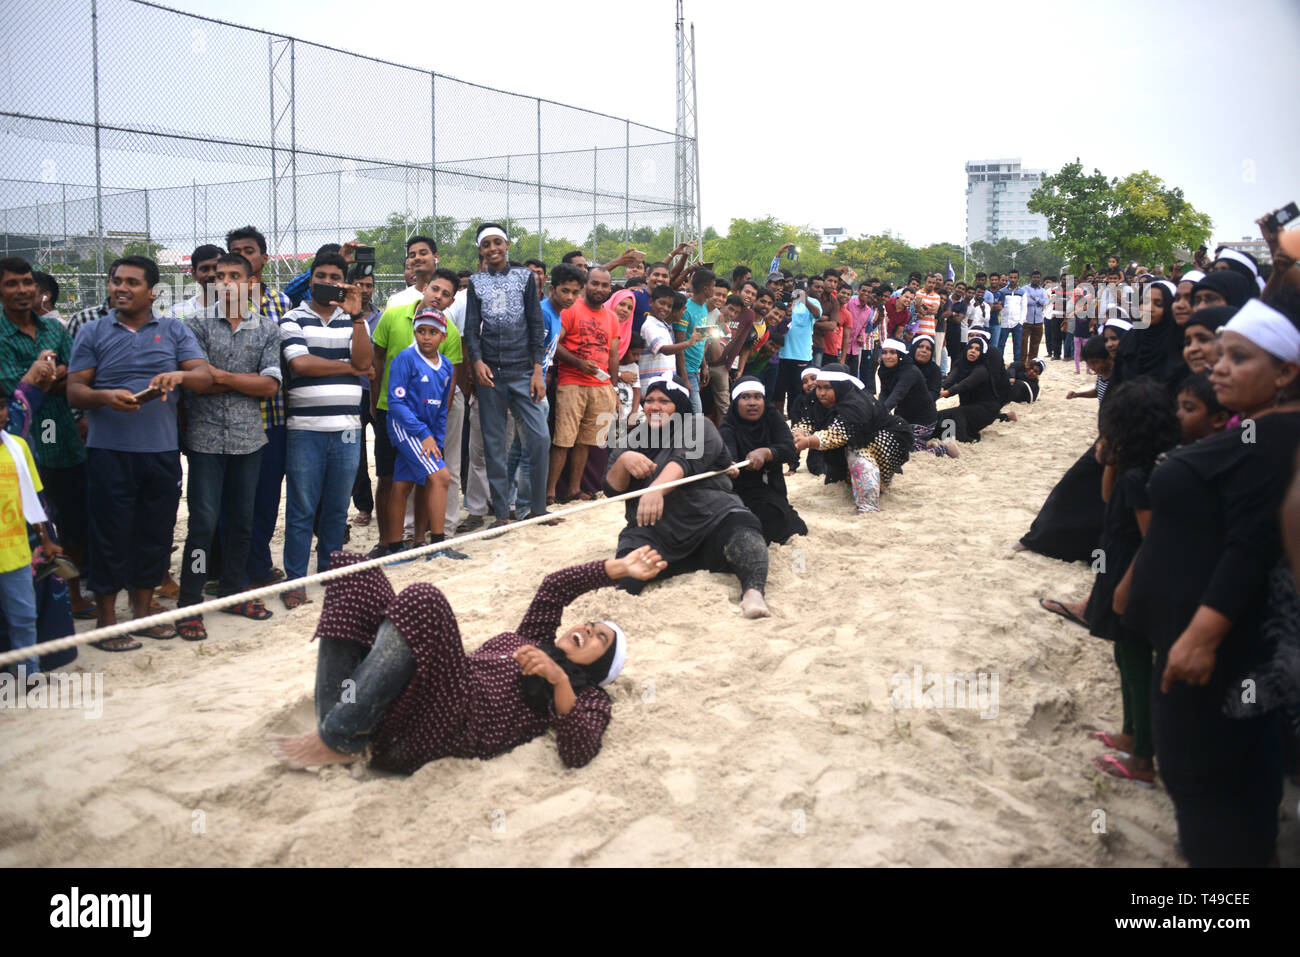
1109	764
1105	739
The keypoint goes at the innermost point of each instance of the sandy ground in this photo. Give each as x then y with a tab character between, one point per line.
732	742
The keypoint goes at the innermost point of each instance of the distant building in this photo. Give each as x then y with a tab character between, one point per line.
831	235
997	194
1255	247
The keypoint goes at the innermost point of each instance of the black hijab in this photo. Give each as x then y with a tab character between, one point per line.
539	693
768	431
999	385
1156	350
854	408
1232	286
888	376
680	395
1212	317
929	369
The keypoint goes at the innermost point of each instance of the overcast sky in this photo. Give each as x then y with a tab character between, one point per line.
862	115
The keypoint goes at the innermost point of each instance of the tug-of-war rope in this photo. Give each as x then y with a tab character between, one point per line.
268	591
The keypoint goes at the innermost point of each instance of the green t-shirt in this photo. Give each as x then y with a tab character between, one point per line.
695	316
396	331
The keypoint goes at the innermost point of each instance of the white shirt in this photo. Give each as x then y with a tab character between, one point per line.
408	295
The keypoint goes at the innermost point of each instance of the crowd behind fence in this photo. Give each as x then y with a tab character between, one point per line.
160	131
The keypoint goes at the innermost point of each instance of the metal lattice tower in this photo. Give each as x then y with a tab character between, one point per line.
686	219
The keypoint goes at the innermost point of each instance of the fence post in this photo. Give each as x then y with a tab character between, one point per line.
627	179
338	207
63	188
594	242
539	179
99	166
507	191
293	146
433	148
148	226
194	207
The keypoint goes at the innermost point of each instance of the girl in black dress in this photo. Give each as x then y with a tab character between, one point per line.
1198	590
904	391
1138	424
980	380
753	431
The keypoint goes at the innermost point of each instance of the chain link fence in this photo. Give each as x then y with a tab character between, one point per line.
159	131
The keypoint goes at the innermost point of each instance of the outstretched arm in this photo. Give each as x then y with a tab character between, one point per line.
559	589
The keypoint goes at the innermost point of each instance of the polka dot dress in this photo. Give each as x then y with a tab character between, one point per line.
888	453
458	705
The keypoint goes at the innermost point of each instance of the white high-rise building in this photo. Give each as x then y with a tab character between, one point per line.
997	192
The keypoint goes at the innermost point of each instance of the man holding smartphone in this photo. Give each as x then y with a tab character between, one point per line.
133	462
326	344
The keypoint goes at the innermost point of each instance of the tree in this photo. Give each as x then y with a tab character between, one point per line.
1138	218
1008	254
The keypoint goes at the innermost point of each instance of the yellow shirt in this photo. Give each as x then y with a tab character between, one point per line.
15	552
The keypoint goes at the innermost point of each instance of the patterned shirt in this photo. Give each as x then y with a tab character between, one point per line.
503	319
83	316
55	439
230	423
275	305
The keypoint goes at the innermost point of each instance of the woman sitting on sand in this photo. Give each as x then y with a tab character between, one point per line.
754	431
701	526
391	673
979	379
905	389
858	438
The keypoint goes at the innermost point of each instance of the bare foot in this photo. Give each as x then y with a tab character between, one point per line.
305	751
1116	742
1011	415
954	449
753	606
1018	547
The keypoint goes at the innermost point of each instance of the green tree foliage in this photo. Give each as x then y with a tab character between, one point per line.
1007	254
1137	218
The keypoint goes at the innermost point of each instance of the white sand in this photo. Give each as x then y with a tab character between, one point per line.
732	742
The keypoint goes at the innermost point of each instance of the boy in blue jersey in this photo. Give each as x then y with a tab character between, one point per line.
419	391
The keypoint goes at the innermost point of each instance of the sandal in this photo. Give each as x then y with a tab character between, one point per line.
277	575
120	643
160	632
191	629
89	613
1060	609
361	519
253	608
1109	764
155	608
1105	739
295	597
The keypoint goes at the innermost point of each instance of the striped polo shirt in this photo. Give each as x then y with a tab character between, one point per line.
320	403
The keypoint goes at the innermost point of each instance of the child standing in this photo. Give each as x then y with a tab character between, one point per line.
1138	424
419	390
20	505
629	385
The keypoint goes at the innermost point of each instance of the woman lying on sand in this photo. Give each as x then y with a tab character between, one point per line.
391	673
702	526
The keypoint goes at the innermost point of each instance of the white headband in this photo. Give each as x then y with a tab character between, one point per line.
620	653
833	376
670	382
1194	275
489	232
809	371
1228	253
1268	329
1121	324
923	337
894	344
740	388
1169	287
978	332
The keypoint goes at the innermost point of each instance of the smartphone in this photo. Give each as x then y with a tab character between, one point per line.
148	395
1283	216
325	293
602	375
708	266
363	264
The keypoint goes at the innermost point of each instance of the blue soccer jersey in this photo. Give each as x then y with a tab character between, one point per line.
418	395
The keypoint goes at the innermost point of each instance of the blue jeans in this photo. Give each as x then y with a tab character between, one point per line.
1000	343
218	485
510	394
520	472
266	503
18	602
321	467
693	380
378	674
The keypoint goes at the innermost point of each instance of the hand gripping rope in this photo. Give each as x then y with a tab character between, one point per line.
268	591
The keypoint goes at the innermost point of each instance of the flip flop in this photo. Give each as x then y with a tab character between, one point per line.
1104	738
158	632
361	519
1109	764
1063	612
103	644
87	614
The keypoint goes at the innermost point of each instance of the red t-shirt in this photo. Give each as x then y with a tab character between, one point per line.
587	334
896	316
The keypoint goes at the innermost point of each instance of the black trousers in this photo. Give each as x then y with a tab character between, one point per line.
131	500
